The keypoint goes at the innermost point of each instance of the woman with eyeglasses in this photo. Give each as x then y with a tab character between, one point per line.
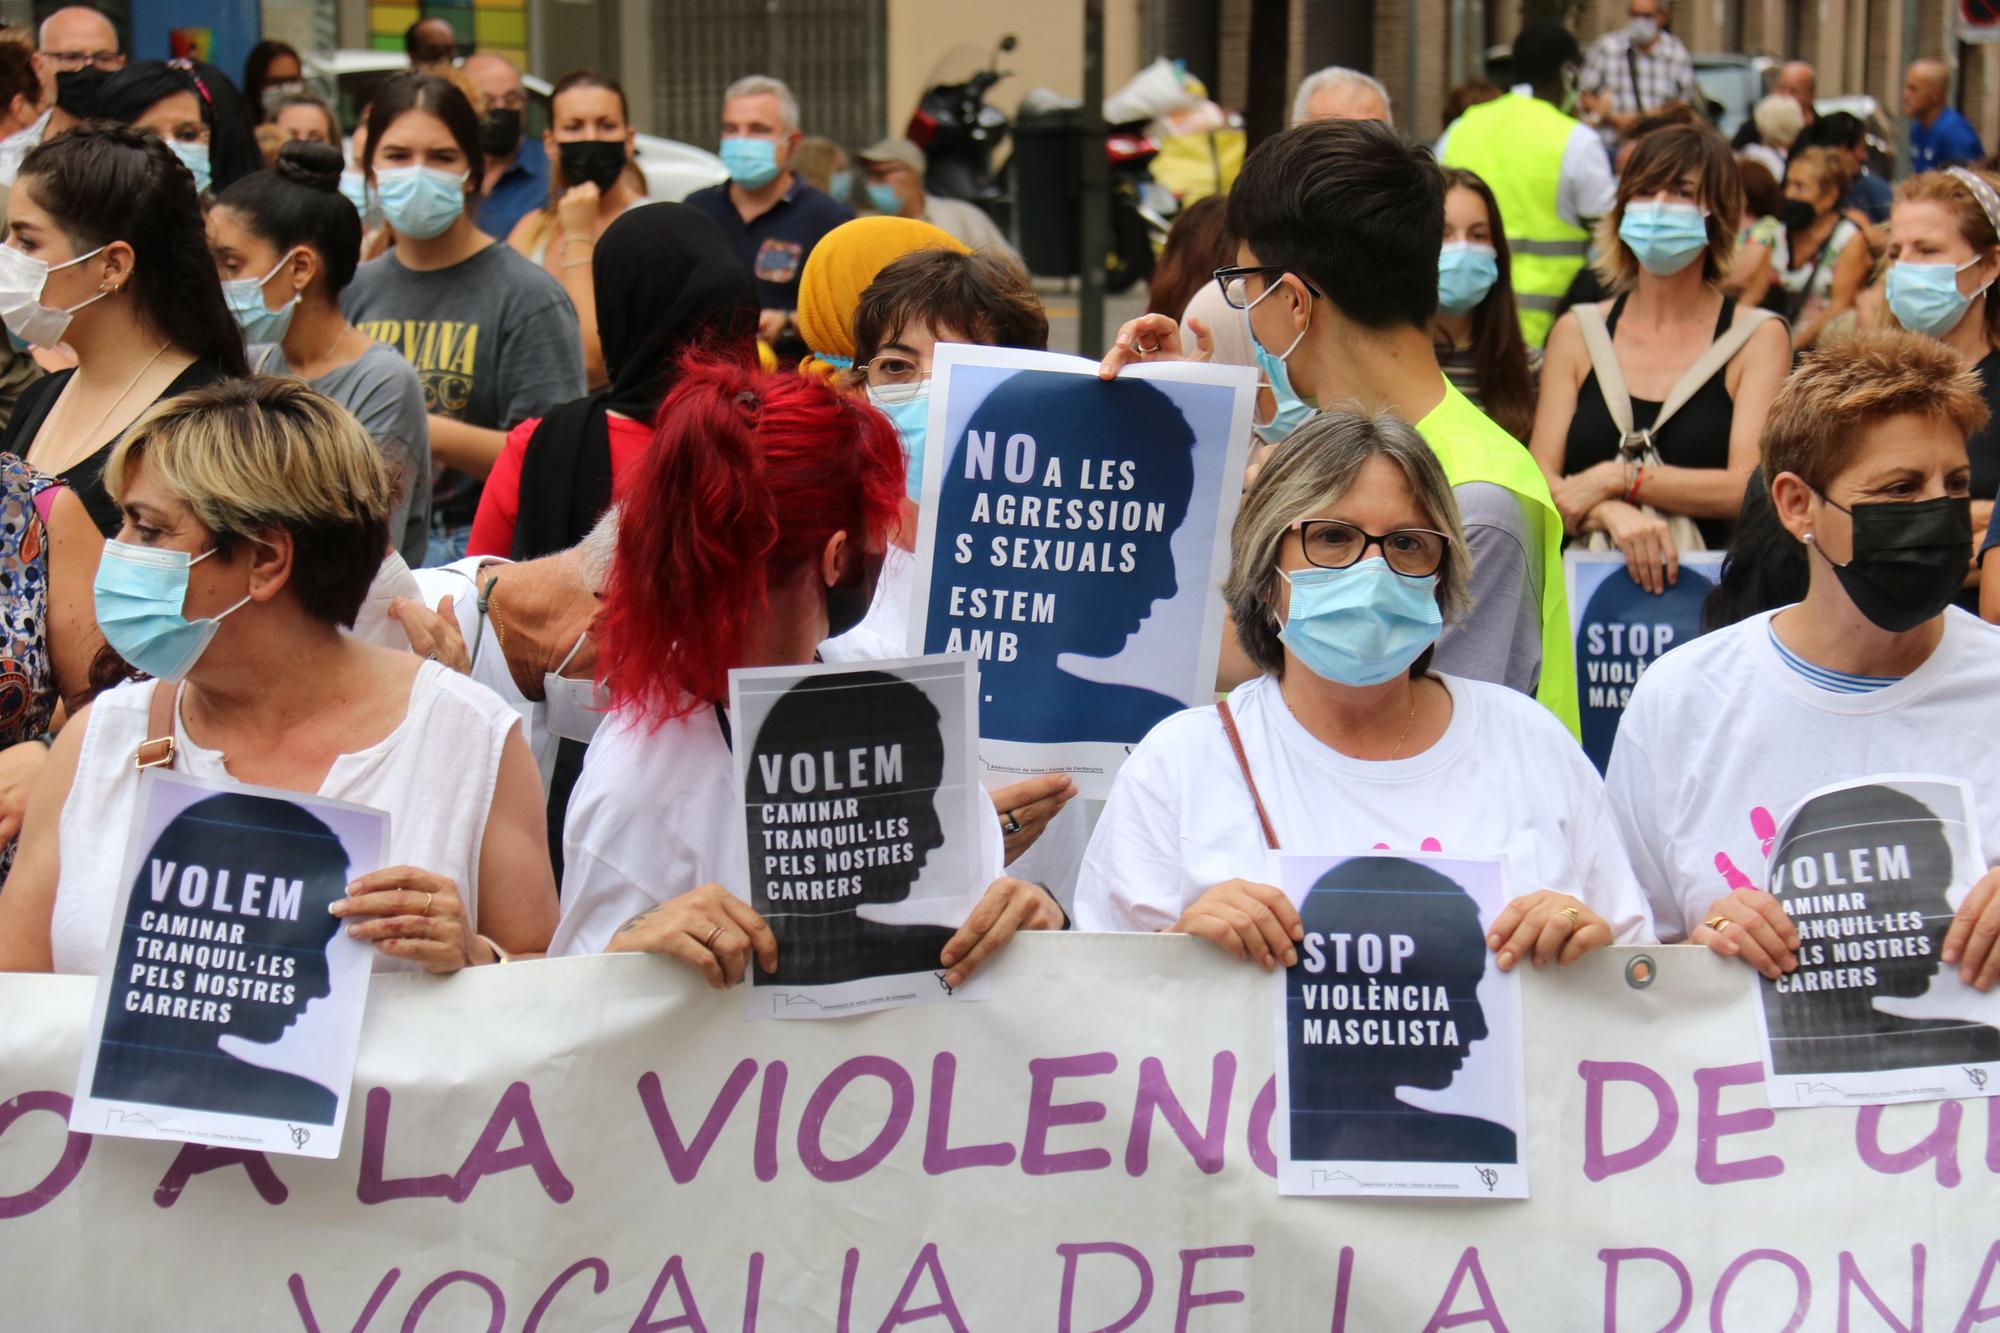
493	337
1347	559
665	281
1619	464
195	108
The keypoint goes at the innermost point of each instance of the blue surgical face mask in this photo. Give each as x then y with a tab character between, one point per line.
1292	410
354	188
883	198
1925	298
140	594
841	186
420	202
752	163
1361	625
245	298
194	156
1467	271
912	418
1665	236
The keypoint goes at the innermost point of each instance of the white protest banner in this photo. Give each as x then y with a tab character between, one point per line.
1400	1036
228	1006
1870	873
869	837
604	1143
1620	629
1074	538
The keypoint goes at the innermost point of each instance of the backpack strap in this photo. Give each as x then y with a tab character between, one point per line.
157	750
1243	762
1719	354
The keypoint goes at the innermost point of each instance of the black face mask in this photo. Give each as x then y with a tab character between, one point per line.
592	161
1797	214
500	131
77	89
1909	559
848	601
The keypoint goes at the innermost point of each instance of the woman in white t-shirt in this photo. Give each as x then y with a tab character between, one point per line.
1345	559
1874	673
751	532
256	513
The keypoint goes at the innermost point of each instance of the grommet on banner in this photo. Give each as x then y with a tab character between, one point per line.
1639	973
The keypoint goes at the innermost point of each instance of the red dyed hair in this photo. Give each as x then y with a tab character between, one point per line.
749	473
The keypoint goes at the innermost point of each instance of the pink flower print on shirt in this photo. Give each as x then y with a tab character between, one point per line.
1429	845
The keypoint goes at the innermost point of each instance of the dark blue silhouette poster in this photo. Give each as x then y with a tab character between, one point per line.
868	834
1621	629
1870	873
1399	1042
229	1005
1074	538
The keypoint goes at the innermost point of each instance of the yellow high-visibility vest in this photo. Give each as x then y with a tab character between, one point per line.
1516	144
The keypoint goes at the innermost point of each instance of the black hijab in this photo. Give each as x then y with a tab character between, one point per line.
666	280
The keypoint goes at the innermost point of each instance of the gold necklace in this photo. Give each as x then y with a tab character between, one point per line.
105	415
1407	724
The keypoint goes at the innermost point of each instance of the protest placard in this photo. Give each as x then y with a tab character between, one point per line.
869	837
1398	1040
1074	538
605	1143
229	1003
1870	873
1621	629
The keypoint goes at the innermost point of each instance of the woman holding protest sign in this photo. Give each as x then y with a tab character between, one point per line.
256	514
1346	560
1875	672
750	533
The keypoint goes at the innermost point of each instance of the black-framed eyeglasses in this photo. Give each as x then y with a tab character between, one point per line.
1329	543
1237	292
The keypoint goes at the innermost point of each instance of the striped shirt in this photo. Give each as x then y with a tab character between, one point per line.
1839	682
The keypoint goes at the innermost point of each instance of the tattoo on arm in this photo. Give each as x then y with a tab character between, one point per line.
637	919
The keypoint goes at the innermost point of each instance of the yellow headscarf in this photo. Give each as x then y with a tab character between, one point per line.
840	268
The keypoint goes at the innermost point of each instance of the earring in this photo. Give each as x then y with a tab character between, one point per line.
1807	539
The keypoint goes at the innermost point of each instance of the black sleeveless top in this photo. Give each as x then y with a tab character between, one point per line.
1697	436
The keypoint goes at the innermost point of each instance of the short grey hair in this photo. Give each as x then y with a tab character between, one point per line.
598	549
1336	76
1316	465
763	85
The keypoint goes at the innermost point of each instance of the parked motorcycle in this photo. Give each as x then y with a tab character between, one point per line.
959	130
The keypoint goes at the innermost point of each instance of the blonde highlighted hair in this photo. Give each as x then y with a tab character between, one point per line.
1314	467
1838	392
247	456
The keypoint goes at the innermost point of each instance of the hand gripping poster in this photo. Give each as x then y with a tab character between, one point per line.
1399	1057
1870	873
869	837
1620	629
1074	539
229	1003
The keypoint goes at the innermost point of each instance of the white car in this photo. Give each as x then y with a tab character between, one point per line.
347	80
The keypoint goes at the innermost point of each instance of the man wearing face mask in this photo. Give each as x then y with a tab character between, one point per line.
79	51
517	166
1547	171
1873	672
771	217
1636	70
1339	225
895	182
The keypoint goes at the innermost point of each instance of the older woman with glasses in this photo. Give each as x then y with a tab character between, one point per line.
1346	561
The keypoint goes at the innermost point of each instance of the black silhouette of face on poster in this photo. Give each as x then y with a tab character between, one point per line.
225	935
1395	1005
1100	542
844	778
1865	873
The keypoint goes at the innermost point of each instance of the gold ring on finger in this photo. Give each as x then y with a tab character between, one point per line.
709	943
427	901
1716	923
1573	913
